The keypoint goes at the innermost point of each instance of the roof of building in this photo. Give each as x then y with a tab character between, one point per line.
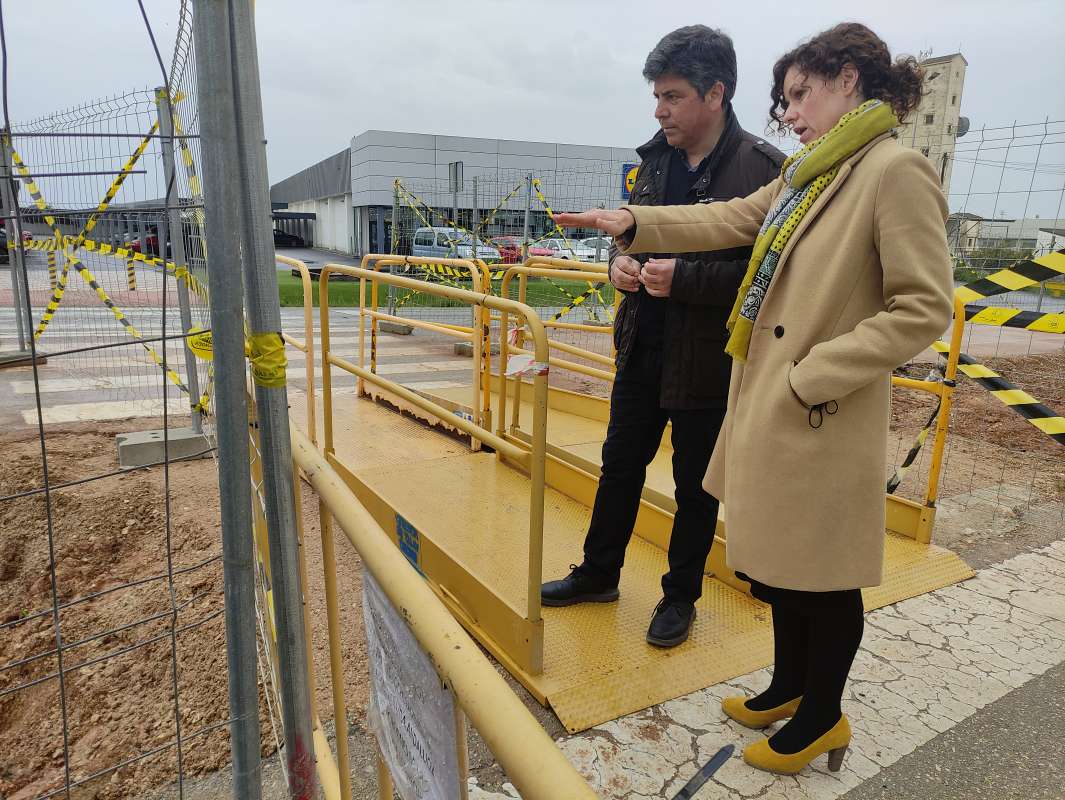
965	215
1053	231
944	59
328	178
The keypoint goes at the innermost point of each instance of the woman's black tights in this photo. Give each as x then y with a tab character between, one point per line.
815	638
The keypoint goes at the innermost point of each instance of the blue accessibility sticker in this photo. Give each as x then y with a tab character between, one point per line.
409	542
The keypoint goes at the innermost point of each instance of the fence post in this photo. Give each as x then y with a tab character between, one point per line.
264	317
393	245
171	227
222	198
528	209
16	255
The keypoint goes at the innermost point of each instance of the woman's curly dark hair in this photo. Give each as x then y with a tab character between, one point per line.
898	83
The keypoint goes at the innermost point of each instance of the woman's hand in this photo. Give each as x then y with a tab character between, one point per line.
614	223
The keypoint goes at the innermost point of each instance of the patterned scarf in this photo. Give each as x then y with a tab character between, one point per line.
806	175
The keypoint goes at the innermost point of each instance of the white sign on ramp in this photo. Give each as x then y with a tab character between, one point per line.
411	712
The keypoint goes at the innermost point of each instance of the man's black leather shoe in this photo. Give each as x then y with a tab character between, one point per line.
579	586
671	623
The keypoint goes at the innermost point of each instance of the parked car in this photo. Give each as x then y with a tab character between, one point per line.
5	254
510	249
574	251
439	242
285	239
602	242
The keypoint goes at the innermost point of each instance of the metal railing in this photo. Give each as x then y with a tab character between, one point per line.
905	516
480	280
531	759
531	459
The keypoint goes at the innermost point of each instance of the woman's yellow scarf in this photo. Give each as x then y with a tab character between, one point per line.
806	174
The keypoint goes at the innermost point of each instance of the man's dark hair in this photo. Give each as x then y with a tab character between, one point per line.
701	55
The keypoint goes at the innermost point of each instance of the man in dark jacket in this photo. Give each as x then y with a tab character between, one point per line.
670	331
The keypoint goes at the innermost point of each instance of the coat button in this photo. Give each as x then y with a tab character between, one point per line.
778	331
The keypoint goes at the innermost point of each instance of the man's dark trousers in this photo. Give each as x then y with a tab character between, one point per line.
637	423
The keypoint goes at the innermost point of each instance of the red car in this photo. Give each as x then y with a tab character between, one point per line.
510	249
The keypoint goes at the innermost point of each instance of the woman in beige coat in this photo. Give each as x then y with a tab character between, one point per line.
850	277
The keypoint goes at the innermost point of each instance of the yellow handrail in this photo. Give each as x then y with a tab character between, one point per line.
480	279
530	758
539	267
557	264
533	460
307	345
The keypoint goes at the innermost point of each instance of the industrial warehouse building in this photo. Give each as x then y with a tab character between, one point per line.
344	202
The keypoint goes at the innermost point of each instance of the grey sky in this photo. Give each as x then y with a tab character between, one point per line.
552	71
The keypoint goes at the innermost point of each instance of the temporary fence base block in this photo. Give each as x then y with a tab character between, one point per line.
466	349
397	328
140	448
596	663
19	358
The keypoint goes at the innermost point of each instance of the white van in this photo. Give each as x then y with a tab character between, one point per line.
441	242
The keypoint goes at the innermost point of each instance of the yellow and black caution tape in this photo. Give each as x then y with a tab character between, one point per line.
90	224
573	303
1013	318
1042	417
60	284
126	254
72	243
131	276
1019	276
551	216
490	217
42	206
195	187
52	278
562	234
413	202
90	279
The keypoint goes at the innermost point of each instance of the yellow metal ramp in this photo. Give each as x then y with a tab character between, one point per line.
462	518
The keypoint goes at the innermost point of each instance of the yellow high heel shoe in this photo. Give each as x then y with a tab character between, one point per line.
736	707
761	756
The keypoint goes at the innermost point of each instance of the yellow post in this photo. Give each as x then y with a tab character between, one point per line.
943	423
462	751
385	789
336	661
519	341
52	277
327	381
538	466
360	384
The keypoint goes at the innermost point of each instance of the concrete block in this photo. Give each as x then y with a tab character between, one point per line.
140	448
398	328
466	349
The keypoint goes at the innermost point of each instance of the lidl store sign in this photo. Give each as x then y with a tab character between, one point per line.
628	179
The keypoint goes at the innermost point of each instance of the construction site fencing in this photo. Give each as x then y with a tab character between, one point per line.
96	182
1002	467
510	215
113	681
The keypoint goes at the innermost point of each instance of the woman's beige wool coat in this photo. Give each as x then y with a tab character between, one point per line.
864	284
